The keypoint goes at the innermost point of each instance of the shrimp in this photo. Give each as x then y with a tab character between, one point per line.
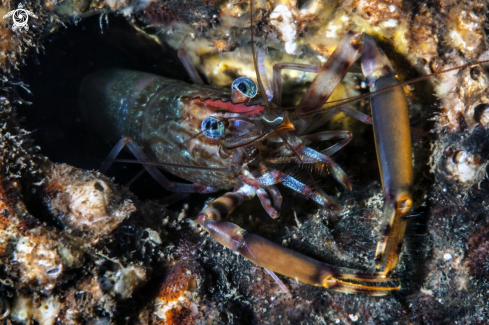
229	138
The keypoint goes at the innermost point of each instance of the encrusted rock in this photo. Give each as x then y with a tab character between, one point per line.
84	203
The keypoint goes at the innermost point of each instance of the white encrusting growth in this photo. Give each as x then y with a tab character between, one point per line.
283	20
24	310
39	261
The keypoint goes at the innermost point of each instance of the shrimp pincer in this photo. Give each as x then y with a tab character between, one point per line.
231	139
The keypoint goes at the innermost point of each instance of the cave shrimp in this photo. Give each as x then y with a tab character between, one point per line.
228	138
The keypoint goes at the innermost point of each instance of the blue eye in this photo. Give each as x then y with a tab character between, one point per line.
212	127
246	86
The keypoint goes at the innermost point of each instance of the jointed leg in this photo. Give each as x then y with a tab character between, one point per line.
333	71
392	135
189	67
276	196
330	135
391	236
267	205
152	170
293	159
277	76
336	170
321	136
330	75
275	177
310	156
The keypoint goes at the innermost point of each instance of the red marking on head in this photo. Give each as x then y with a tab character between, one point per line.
219	105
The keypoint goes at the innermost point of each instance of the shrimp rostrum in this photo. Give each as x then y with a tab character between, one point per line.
231	139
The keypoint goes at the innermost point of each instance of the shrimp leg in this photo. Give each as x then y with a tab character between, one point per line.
152	170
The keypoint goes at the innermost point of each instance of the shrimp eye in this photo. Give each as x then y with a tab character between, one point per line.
212	127
246	86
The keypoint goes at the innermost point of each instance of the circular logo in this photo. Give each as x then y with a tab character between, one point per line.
20	17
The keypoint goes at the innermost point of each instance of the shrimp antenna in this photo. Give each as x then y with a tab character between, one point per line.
255	61
340	102
154	163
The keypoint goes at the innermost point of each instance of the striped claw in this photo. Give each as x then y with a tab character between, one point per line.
282	260
285	261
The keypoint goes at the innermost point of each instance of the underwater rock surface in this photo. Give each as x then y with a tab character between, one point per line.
77	248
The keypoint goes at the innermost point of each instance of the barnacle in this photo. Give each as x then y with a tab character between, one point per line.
465	167
83	203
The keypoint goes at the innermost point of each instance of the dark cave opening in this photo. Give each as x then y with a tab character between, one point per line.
54	78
